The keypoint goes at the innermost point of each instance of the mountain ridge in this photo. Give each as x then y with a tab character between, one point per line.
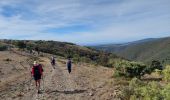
144	50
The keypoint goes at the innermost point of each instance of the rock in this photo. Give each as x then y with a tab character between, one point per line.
91	94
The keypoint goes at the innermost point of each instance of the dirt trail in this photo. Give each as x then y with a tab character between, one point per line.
85	82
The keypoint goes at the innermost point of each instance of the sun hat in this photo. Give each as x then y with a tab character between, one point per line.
35	62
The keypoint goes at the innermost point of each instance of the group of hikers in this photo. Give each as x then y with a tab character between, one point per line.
37	71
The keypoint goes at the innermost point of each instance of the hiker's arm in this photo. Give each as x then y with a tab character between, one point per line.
41	69
32	72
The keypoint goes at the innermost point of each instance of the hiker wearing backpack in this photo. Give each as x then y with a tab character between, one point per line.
37	72
52	61
69	65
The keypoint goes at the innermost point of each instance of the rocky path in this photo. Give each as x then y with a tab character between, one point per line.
84	83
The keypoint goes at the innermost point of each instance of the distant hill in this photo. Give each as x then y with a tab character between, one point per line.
64	49
143	50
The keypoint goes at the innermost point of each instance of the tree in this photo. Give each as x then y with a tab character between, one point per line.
156	65
21	44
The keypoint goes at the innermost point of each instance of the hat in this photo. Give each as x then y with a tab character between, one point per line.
35	62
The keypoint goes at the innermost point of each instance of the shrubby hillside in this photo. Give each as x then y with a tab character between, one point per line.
64	49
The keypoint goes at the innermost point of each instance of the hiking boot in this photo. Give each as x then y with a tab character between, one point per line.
39	92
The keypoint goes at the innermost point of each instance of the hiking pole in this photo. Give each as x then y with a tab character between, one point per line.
42	82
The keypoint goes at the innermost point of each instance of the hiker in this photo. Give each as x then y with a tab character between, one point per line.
30	51
37	49
69	65
52	60
37	72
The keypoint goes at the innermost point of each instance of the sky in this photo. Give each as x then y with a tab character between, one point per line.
84	22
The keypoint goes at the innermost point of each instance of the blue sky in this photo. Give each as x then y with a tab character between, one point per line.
84	21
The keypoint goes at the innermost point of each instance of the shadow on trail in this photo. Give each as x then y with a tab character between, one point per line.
152	79
68	92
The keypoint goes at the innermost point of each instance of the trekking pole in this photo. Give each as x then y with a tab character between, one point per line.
30	82
43	82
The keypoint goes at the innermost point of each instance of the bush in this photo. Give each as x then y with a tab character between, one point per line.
76	58
135	69
154	65
29	46
166	73
21	44
166	92
3	47
152	91
129	69
140	90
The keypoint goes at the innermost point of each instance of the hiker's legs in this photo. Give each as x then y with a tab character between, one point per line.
38	84
69	69
53	64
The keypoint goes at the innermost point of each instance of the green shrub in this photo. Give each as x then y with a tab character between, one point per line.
129	69
3	47
138	90
135	69
141	90
154	65
166	92
21	44
76	58
166	73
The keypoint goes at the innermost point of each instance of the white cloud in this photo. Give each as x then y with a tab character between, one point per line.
111	21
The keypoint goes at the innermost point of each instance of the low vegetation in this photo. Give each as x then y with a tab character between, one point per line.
64	49
3	47
135	69
138	89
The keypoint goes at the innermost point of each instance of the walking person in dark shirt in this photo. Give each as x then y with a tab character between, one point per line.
69	65
53	62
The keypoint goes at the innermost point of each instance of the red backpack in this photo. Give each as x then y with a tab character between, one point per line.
37	70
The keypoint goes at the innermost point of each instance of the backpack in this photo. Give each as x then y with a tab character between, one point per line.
53	62
69	64
37	70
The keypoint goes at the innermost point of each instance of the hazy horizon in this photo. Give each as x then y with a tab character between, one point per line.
93	44
90	22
